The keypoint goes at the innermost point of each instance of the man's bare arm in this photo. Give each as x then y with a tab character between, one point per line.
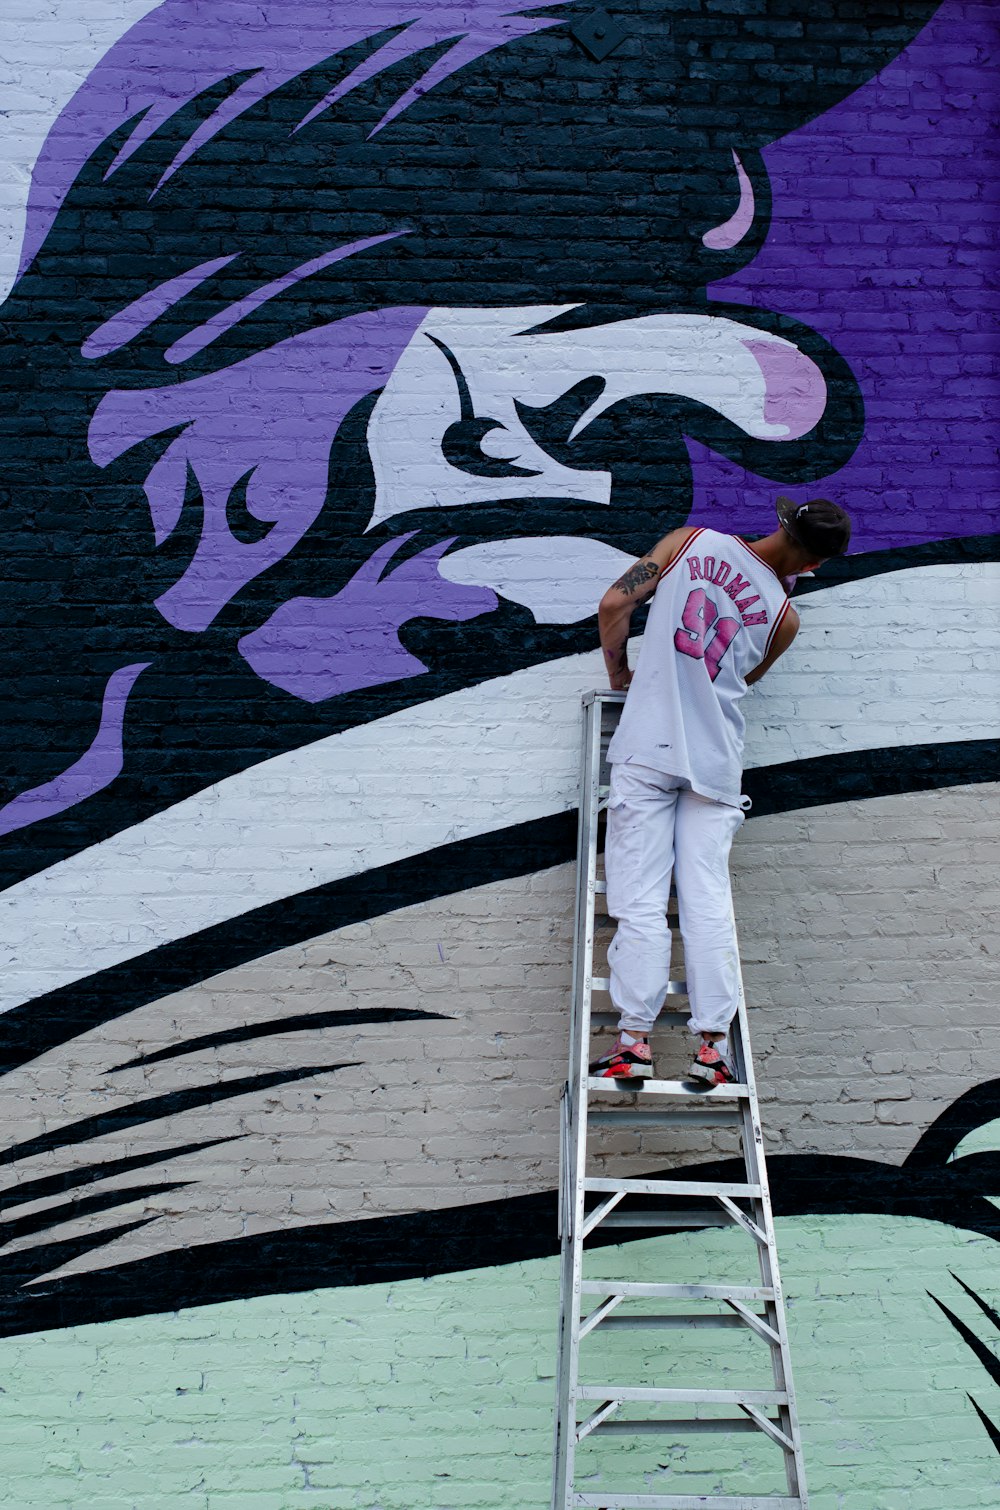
787	630
622	599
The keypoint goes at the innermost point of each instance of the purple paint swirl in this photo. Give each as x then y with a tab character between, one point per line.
196	340
185	47
266	423
317	648
94	770
141	313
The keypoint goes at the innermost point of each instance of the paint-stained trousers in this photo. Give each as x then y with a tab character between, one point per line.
657	826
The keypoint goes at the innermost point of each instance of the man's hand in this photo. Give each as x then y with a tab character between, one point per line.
620	680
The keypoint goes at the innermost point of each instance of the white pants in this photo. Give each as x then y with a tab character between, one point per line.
657	825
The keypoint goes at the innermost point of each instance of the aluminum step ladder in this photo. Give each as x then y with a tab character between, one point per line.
589	1409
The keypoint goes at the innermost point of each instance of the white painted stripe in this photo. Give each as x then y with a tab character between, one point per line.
906	658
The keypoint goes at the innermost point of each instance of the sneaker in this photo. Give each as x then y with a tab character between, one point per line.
632	1063
709	1066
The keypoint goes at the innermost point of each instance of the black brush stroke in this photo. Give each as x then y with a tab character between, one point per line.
512	640
992	1430
422	1244
23	1268
58	1016
859	568
156	1107
975	1108
91	1174
989	1360
301	1022
46	1021
983	1305
107	1200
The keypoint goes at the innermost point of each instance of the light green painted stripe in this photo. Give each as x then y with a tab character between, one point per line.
437	1394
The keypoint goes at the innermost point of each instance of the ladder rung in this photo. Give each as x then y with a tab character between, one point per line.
673	1323
682	1090
721	1118
602	1186
683	1426
674	1116
635	1288
667	1219
651	1395
665	1020
601	890
604	919
603	983
609	1500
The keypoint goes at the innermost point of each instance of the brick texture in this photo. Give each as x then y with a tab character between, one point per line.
354	348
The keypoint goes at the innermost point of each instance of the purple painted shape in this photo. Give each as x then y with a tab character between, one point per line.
184	47
135	317
722	238
316	648
794	387
196	340
95	769
880	240
270	419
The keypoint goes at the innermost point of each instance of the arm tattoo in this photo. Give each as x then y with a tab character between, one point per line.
640	577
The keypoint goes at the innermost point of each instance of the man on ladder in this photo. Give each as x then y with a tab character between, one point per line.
720	619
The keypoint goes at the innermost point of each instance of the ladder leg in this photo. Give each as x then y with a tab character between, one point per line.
572	1207
767	1254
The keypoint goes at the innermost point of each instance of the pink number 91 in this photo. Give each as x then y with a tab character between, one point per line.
701	617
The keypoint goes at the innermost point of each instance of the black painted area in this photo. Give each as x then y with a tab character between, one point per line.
904	558
154	1108
983	1353
977	1107
976	1345
61	1015
20	1269
857	775
31	1029
88	1205
988	1311
931	1184
92	1174
423	1244
992	1430
300	1022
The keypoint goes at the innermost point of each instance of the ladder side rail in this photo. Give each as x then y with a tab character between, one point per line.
576	1142
600	710
585	880
767	1253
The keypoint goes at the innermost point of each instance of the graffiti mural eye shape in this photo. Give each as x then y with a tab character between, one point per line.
354	423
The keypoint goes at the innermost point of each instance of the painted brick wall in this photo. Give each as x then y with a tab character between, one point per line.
348	352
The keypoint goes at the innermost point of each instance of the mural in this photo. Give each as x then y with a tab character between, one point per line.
353	351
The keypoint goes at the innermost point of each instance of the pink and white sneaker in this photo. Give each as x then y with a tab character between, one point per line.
634	1062
710	1068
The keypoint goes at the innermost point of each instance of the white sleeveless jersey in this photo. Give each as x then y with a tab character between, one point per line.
713	618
